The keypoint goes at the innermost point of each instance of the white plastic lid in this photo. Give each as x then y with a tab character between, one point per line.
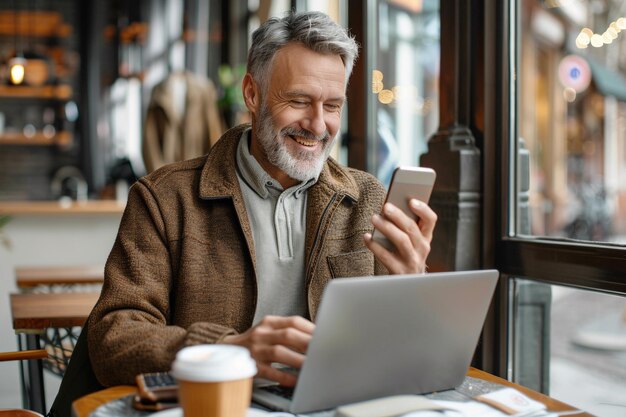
213	363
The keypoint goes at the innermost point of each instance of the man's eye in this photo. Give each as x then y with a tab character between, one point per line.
332	107
299	103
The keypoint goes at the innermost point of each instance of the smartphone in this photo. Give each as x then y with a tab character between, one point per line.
146	405
157	386
407	183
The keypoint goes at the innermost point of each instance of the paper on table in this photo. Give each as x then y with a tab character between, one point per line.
512	402
394	406
467	409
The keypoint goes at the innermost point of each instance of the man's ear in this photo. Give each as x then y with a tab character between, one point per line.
251	94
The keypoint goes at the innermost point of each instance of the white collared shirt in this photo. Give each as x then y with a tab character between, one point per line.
278	221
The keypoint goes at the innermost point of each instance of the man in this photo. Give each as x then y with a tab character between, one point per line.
237	246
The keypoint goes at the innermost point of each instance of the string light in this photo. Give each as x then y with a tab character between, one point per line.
584	38
385	96
597	40
611	32
377	81
405	94
569	94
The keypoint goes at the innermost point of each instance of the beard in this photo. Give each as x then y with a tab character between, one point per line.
301	165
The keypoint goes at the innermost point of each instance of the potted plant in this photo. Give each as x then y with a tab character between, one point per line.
230	97
4	238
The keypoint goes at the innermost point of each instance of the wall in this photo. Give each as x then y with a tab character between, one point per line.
38	240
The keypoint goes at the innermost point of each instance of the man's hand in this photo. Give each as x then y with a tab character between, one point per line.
410	238
282	340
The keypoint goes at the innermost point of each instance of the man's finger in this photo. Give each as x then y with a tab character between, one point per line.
296	322
403	221
427	218
277	354
403	240
291	338
269	372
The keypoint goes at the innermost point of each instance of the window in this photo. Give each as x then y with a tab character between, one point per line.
573	118
563	251
403	83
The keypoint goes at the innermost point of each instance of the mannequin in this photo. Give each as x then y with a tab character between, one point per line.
178	87
183	119
176	80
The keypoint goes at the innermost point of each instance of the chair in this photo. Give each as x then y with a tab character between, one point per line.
19	413
37	354
79	378
23	355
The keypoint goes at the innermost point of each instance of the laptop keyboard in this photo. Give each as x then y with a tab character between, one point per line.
285	392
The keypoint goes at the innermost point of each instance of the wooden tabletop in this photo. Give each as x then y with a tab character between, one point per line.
551	403
84	406
39	311
87	404
28	277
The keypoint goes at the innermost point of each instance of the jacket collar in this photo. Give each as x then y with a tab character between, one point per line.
219	174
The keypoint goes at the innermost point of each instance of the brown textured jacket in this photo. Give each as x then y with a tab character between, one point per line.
182	268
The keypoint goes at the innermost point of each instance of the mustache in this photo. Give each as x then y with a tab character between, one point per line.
292	131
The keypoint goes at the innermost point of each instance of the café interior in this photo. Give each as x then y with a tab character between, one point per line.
518	105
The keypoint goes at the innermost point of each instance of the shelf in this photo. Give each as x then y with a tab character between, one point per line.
61	139
56	92
36	24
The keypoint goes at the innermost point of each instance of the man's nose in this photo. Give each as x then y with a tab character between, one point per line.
315	120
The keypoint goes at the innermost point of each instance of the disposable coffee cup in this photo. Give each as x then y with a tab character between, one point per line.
214	380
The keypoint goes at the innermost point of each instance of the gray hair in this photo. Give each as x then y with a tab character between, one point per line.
315	30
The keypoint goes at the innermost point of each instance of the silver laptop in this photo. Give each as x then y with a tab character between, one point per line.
388	335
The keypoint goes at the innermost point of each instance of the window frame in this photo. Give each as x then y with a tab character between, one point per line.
591	266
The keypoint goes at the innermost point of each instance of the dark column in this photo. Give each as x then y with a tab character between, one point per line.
92	24
357	102
452	151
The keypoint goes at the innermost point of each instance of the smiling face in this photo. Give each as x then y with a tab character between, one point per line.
296	119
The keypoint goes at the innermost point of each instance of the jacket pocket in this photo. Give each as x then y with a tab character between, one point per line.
352	264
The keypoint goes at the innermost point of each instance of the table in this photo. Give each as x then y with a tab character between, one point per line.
84	406
45	208
32	314
30	277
